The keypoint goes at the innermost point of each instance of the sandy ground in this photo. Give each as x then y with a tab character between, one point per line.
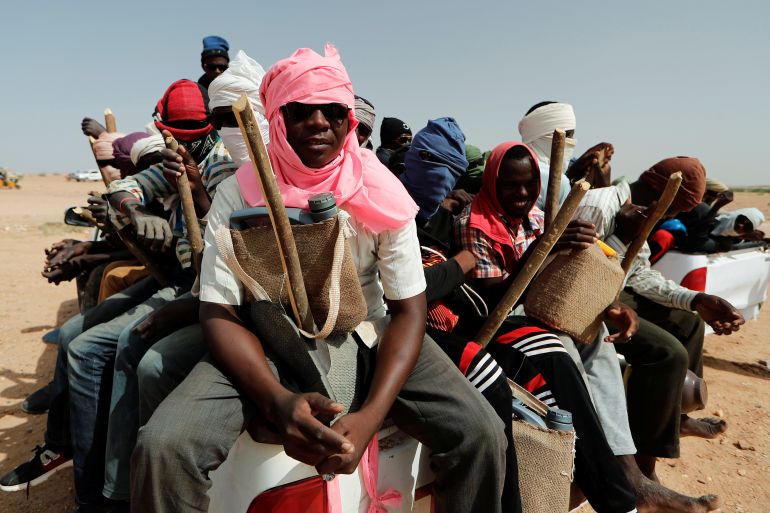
31	220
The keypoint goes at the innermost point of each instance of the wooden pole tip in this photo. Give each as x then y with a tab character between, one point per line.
560	132
107	111
241	104
583	184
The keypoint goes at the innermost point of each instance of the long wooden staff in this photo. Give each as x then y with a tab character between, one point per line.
287	249
554	176
669	193
128	238
532	265
188	209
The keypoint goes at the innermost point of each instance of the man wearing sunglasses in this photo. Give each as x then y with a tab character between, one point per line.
214	59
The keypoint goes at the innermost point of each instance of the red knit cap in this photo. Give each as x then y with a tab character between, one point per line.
183	101
693	180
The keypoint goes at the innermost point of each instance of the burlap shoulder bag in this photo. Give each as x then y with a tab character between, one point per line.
545	459
573	290
331	279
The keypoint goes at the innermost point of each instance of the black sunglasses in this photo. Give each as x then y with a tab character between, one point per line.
210	66
333	112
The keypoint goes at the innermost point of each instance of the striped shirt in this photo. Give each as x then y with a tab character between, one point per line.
151	184
599	206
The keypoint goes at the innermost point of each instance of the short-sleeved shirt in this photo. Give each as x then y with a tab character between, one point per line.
489	264
389	263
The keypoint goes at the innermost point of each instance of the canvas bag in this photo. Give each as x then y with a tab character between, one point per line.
331	279
573	290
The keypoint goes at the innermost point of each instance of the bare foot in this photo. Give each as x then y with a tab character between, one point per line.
706	427
646	464
652	497
91	127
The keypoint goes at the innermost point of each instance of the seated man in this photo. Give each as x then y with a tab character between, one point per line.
499	228
308	100
670	336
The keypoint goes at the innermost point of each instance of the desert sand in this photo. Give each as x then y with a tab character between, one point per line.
734	466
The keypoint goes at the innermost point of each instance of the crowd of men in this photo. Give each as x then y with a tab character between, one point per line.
160	372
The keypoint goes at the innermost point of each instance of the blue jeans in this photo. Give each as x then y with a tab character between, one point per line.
57	433
154	372
90	360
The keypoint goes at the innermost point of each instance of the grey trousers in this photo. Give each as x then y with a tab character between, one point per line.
598	363
193	429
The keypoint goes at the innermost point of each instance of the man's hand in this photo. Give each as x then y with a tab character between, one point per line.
359	429
599	156
98	208
456	200
723	317
579	235
152	230
723	198
91	127
623	318
177	162
66	252
57	247
70	268
630	219
300	420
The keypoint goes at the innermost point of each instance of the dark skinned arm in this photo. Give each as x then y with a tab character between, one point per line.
240	355
396	356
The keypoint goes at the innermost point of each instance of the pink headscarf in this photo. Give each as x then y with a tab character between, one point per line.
359	182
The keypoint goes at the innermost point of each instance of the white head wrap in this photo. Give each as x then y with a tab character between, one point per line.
714	185
726	222
536	129
146	146
243	76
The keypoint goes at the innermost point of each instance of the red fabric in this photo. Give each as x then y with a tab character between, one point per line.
183	101
486	213
665	240
513	336
306	496
693	185
441	317
469	353
535	383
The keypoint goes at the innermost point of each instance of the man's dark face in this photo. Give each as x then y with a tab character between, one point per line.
315	139
743	225
214	66
362	134
517	186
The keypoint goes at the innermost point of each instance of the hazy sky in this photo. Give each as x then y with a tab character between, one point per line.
655	78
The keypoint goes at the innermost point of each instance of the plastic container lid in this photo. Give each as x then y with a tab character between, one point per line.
560	416
321	202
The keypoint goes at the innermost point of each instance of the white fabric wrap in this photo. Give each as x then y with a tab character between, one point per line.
146	146
536	129
243	76
726	221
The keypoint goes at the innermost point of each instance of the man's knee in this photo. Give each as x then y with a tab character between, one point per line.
149	371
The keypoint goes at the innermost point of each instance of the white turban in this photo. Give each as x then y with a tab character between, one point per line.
536	129
146	146
726	221
243	76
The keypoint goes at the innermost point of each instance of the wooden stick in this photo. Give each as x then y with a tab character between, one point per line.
188	210
554	176
669	193
109	121
532	265
287	249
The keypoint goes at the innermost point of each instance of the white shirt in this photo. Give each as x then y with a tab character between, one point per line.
388	263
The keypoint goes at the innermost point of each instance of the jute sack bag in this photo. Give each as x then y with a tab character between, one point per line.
331	279
573	290
545	459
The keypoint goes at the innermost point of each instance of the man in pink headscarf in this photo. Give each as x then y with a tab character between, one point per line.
313	148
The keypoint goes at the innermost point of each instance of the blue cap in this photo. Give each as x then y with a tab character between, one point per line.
215	46
674	225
